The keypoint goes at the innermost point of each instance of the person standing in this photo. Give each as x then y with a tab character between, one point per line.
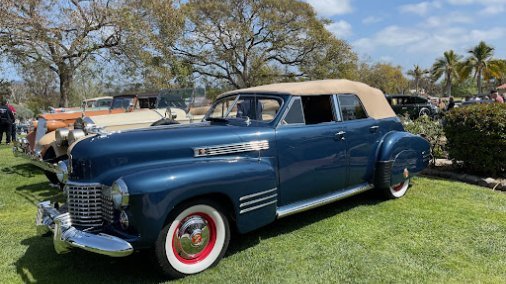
495	96
13	125
6	120
451	104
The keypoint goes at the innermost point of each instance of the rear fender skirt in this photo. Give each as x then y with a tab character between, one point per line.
401	155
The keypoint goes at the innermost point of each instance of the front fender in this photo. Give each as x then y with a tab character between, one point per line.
155	193
401	155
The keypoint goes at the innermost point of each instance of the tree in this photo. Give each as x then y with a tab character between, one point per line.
241	41
447	66
58	35
417	73
383	76
481	63
153	27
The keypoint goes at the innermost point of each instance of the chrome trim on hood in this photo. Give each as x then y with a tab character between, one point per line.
225	149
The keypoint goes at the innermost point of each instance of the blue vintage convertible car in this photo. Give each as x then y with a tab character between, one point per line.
260	154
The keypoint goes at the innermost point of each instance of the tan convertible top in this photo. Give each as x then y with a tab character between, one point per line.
373	99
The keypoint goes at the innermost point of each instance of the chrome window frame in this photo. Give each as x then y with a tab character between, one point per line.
280	99
287	109
360	102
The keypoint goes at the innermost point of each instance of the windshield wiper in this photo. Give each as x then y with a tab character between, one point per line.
216	119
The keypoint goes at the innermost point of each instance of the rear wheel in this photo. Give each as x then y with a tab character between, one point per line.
195	238
397	190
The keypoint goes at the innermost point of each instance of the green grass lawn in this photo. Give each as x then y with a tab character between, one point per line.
442	231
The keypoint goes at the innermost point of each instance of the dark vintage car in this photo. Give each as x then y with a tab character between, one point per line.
261	154
414	106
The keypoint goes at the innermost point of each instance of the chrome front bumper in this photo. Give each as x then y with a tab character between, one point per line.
34	159
66	237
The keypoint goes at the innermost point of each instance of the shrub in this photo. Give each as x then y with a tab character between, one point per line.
431	130
477	137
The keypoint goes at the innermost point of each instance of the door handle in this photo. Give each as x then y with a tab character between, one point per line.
374	128
340	135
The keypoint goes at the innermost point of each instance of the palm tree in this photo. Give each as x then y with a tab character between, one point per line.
417	73
449	66
481	63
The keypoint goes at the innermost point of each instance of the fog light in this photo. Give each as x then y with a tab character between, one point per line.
123	220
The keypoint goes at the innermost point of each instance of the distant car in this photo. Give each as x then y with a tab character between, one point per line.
480	99
414	106
260	154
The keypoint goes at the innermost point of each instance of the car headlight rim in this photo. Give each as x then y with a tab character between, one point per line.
119	194
63	172
61	136
75	135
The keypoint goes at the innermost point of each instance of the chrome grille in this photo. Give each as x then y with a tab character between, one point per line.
87	205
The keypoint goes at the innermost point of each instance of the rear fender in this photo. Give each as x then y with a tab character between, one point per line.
401	155
155	193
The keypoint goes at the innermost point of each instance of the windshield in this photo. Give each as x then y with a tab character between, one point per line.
122	102
253	107
173	101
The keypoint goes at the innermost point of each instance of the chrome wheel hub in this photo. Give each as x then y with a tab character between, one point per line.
192	237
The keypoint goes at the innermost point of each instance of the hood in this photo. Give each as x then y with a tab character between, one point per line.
96	157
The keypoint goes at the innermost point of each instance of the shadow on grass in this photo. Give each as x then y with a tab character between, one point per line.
38	192
41	263
24	170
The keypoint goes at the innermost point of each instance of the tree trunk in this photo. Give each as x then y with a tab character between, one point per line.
448	86
479	81
66	78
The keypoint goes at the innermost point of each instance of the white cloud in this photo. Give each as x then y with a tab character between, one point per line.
430	42
489	7
329	8
340	29
371	20
421	8
447	20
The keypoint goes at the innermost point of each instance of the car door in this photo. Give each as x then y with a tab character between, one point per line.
311	151
361	134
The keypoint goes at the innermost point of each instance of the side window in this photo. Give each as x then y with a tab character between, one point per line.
318	109
294	114
351	108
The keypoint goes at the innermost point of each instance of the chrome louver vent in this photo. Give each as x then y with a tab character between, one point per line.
87	206
231	148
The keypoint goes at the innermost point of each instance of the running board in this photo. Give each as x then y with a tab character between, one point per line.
304	205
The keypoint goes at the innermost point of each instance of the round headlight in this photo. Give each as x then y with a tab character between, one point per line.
63	172
119	194
75	134
61	136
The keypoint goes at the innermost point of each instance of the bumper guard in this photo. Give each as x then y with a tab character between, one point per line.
66	237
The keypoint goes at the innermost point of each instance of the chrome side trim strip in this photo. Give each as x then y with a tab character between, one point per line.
258	206
257	200
304	205
257	194
206	151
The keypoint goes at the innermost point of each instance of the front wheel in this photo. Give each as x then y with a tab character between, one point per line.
397	190
195	238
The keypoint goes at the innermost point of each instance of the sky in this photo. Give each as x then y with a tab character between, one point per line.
405	32
410	32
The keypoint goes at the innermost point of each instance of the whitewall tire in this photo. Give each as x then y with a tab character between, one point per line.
195	238
397	190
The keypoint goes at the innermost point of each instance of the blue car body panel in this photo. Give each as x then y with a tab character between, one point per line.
162	170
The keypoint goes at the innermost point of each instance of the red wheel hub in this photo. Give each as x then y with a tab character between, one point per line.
194	238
